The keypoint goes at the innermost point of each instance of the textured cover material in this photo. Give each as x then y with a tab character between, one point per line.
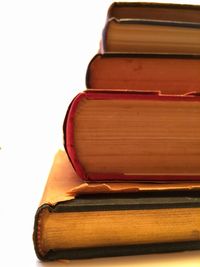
68	129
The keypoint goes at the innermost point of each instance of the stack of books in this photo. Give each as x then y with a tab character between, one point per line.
128	181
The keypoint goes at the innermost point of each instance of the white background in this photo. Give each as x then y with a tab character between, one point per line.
45	47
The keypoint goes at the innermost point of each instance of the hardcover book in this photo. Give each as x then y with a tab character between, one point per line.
158	11
71	226
150	36
168	74
134	136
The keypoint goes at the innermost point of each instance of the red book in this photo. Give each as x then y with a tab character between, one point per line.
129	136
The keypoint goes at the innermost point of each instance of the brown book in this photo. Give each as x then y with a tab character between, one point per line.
151	36
158	11
69	226
141	27
129	136
168	74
